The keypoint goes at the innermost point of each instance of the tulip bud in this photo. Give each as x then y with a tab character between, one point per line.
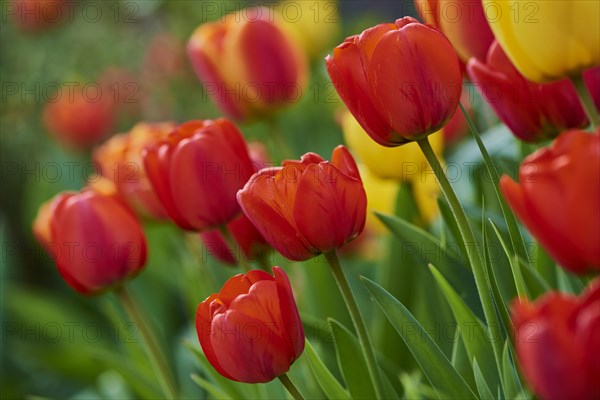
95	241
307	207
462	21
120	160
196	172
557	339
79	117
401	81
247	64
251	331
35	16
532	111
558	196
547	40
403	163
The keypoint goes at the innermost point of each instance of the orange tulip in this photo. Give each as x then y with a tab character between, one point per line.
248	64
558	197
120	160
307	207
251	331
196	172
462	21
558	342
401	81
95	241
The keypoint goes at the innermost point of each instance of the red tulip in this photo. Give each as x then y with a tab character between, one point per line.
197	171
251	331
81	115
120	160
36	15
558	197
248	64
532	111
307	207
402	82
462	21
96	242
558	342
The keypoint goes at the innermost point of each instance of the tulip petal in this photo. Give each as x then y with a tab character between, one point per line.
289	312
344	161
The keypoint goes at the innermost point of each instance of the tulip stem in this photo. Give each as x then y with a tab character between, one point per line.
586	100
240	259
472	249
289	385
357	319
151	345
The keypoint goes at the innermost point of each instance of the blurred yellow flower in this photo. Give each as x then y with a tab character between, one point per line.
402	163
426	191
315	24
547	40
381	196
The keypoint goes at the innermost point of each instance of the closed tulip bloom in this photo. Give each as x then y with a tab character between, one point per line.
557	339
558	196
120	160
251	331
197	171
80	118
532	111
401	81
95	241
462	21
307	207
402	163
547	40
247	63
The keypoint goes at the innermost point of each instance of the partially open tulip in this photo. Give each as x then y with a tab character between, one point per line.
462	21
95	241
558	196
196	172
120	160
80	115
307	207
401	163
251	331
557	339
547	40
247	63
401	81
532	111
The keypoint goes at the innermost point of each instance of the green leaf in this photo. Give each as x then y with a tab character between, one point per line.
473	333
568	282
449	219
482	387
536	284
332	388
436	367
510	378
351	361
460	359
214	391
514	264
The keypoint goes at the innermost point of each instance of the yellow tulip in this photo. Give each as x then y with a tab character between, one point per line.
402	163
547	40
426	191
314	25
381	196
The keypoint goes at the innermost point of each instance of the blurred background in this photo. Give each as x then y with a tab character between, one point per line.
57	344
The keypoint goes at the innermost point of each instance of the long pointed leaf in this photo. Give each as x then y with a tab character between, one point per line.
332	388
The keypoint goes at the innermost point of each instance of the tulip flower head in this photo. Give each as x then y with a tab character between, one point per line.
307	207
248	64
557	339
532	111
120	160
251	331
558	196
196	172
401	81
95	241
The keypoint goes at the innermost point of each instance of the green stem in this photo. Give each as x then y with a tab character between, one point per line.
473	252
357	319
239	258
586	100
153	350
289	385
264	263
